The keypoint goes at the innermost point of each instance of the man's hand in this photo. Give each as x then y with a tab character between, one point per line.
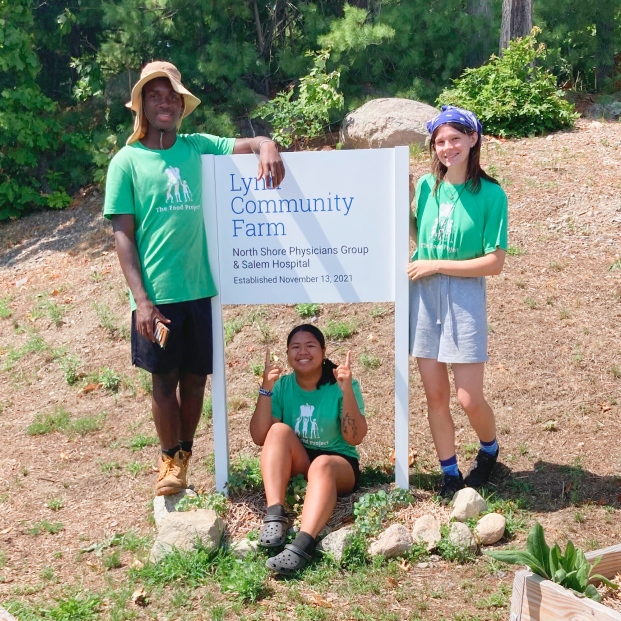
270	165
146	314
342	373
271	373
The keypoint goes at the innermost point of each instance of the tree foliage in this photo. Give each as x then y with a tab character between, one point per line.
513	95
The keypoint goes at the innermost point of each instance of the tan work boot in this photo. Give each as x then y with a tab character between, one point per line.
173	474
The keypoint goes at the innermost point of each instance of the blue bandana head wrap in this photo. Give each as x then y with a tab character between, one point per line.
451	114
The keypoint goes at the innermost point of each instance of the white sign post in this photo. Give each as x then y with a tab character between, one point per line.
337	230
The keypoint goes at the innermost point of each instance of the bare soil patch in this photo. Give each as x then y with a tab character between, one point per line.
553	379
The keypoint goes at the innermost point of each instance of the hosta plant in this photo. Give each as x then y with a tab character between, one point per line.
571	570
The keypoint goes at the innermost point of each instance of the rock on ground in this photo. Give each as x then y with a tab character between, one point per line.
467	503
461	536
183	530
336	542
244	547
163	505
386	123
490	529
394	541
427	529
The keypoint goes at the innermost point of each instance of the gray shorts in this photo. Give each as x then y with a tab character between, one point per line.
448	319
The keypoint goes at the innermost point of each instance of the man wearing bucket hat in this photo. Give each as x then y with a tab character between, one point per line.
153	197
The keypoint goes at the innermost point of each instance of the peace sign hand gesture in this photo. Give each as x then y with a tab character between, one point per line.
271	372
342	373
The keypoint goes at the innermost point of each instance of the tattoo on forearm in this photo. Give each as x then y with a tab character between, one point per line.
349	425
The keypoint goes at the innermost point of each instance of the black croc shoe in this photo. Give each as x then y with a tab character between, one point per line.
290	560
481	470
450	485
274	533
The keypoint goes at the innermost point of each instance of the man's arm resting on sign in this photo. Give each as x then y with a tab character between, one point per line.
270	162
353	423
123	226
489	265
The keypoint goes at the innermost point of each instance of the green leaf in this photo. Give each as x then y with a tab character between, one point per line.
555	559
592	593
570	556
604	580
537	546
559	576
594	564
519	557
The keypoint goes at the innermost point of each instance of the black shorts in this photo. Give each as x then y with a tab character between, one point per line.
352	461
190	341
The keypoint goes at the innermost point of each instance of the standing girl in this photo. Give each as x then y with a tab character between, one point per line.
460	226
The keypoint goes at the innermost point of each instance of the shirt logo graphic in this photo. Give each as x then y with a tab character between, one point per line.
442	226
305	419
176	185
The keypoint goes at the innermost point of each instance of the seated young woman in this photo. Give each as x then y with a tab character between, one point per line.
308	422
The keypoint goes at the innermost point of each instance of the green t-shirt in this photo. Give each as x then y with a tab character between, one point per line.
315	416
163	191
456	224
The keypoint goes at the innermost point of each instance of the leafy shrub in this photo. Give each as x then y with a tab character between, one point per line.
296	492
339	330
245	475
513	95
372	509
297	121
308	310
571	570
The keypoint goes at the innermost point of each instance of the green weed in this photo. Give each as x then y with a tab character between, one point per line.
59	420
215	501
246	579
112	560
372	509
555	266
55	504
531	303
308	310
515	251
370	361
470	450
110	322
520	284
5	311
135	468
207	410
564	313
109	379
145	381
233	327
616	372
377	312
340	330
70	364
257	366
452	552
138	442
245	475
88	424
109	467
84	606
51	527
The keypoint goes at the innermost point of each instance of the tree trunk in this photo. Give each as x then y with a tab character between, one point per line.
482	11
517	20
604	27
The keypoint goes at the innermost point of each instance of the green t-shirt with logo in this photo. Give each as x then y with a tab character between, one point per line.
456	224
315	416
163	191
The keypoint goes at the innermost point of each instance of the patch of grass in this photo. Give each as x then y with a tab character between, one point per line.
370	361
340	330
246	579
59	420
34	345
257	366
523	448
70	364
451	552
237	403
515	251
616	372
564	313
308	310
88	424
377	312
145	381
55	504
83	606
555	266
470	450
579	517
531	303
207	410
51	527
138	442
5	311
112	560
110	322
54	311
109	467
135	468
499	599
215	501
233	327
520	284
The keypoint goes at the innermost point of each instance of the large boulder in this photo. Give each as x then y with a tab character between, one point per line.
386	123
336	542
490	529
184	530
394	541
467	503
427	530
163	505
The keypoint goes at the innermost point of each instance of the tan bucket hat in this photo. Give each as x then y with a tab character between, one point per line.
158	69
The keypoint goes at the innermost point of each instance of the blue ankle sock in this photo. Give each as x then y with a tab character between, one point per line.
449	466
490	447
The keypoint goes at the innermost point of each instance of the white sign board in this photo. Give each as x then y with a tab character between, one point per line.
326	235
336	230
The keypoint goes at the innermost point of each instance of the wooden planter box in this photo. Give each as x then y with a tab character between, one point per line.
536	599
